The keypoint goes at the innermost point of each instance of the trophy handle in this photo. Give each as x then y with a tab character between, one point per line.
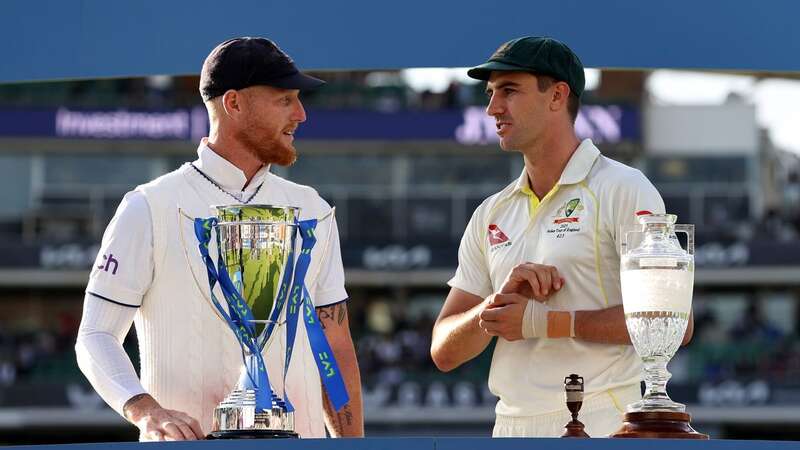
197	283
688	229
623	246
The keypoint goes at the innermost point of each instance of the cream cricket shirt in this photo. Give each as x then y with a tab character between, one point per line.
576	227
189	358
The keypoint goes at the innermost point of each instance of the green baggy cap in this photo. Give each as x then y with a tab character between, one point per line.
536	54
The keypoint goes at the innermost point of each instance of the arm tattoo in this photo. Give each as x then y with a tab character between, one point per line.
344	417
334	313
338	421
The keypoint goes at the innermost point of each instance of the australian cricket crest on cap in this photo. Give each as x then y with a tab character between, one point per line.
567	219
502	50
497	239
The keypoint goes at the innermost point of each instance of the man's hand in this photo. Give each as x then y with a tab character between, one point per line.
531	280
503	316
159	424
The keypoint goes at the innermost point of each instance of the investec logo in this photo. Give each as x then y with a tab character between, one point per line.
124	124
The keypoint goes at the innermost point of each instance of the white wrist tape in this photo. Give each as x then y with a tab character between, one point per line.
534	321
537	318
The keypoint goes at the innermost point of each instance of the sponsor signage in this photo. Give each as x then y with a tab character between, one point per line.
601	123
470	126
122	124
66	123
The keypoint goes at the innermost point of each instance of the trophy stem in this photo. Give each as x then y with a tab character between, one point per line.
656	377
655	397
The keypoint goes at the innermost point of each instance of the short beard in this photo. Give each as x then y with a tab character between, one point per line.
275	152
270	151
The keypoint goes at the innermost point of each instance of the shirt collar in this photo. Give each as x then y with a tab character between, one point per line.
577	169
225	174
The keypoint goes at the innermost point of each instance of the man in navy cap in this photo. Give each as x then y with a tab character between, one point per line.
538	265
189	358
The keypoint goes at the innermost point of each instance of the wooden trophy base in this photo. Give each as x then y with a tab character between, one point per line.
574	429
657	425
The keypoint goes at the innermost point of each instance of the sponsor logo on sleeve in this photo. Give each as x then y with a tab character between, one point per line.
108	262
497	239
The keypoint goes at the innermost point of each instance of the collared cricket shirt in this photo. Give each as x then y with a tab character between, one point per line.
577	227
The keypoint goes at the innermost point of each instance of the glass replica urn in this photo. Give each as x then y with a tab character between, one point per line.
657	278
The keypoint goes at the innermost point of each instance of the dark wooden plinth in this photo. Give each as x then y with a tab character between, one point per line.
657	425
252	434
574	429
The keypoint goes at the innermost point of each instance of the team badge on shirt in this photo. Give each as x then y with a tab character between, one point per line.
497	238
567	219
569	212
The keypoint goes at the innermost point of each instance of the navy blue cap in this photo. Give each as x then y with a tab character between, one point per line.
250	61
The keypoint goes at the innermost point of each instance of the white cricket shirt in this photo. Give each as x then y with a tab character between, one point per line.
189	357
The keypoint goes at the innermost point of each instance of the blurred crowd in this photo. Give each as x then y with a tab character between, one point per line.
753	346
37	354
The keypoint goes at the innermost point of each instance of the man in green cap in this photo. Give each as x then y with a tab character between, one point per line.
538	265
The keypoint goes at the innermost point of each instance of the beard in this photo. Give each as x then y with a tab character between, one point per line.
269	150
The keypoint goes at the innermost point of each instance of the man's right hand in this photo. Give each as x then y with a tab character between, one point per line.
503	316
531	280
159	424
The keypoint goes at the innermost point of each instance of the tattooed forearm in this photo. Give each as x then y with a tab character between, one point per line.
349	420
344	417
339	422
334	313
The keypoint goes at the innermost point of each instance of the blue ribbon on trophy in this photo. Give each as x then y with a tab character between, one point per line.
292	295
300	299
239	317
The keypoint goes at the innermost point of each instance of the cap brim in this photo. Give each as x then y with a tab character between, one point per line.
484	71
299	81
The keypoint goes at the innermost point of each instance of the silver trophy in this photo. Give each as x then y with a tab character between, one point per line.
256	248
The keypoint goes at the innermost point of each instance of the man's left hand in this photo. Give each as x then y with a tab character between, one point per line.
534	281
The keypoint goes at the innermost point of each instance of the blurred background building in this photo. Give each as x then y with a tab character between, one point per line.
405	157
